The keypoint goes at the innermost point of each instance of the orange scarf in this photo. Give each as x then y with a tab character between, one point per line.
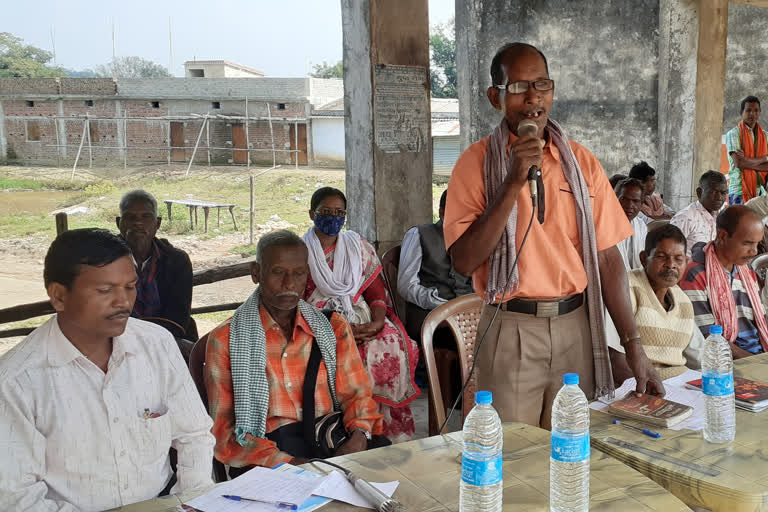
749	179
722	301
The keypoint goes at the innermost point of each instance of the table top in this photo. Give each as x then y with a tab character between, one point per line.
429	471
197	202
743	464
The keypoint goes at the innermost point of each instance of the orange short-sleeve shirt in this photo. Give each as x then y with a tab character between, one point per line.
551	263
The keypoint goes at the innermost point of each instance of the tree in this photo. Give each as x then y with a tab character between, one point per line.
132	67
326	70
85	73
24	60
442	45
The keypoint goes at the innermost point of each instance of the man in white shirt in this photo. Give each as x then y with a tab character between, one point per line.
425	276
630	194
92	401
697	220
426	279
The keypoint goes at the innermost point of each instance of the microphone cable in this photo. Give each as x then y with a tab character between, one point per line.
493	318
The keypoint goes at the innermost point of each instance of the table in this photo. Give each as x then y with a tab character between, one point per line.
743	482
429	470
194	204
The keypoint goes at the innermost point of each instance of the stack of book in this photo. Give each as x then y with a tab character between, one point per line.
650	409
750	395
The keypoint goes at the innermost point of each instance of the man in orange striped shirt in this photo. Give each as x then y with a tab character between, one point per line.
271	335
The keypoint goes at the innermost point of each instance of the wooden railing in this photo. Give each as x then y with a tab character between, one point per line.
207	276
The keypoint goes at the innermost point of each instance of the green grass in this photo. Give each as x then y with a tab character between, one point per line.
281	192
30	322
215	318
19	183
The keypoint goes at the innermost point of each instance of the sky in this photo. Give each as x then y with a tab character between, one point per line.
283	38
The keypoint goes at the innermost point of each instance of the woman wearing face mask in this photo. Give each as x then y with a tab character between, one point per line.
345	276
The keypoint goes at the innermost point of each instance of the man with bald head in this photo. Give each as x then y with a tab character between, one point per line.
551	301
722	286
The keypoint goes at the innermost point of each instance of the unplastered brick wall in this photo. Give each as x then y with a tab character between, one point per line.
92	108
57	86
108	129
278	109
31	140
259	136
27	108
147	134
142	108
28	86
88	86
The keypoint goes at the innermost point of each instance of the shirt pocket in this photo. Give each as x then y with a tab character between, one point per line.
153	437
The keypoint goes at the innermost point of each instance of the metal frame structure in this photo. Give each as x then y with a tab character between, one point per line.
123	148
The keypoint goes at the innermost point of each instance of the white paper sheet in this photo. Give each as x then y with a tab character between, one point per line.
676	392
261	483
313	502
337	486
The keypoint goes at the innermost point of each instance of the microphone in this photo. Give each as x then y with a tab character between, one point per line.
528	127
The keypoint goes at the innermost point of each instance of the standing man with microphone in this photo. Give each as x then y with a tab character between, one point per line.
554	284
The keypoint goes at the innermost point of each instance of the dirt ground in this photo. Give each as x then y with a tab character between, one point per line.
21	257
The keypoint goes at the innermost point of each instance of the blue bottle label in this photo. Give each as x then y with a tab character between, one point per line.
567	448
717	384
486	471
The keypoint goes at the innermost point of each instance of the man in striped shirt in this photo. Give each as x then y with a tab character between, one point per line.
722	286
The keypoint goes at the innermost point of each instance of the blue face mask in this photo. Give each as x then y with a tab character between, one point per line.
329	224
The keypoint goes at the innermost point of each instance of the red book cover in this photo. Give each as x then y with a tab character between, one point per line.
749	391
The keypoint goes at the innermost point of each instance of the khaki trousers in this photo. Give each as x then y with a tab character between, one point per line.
523	359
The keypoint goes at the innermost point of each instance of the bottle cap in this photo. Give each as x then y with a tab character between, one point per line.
716	329
483	397
571	378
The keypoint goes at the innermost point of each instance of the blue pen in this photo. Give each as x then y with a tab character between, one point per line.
278	504
649	433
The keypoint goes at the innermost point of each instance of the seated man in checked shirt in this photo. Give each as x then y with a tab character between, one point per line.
256	361
92	400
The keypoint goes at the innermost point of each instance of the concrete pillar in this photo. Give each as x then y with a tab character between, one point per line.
388	140
3	139
678	44
310	144
119	114
692	45
710	85
61	125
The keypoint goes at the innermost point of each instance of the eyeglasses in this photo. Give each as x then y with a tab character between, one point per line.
331	212
522	86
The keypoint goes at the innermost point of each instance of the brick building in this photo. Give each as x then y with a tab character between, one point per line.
143	121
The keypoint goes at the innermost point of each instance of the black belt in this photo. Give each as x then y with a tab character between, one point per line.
544	309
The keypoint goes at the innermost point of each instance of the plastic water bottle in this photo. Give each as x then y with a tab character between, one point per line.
717	385
481	474
569	458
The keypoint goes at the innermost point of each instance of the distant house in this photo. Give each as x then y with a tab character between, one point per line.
48	121
328	133
218	69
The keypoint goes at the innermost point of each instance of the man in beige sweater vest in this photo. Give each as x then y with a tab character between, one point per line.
663	312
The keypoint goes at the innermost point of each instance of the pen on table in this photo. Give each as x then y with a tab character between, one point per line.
649	433
278	504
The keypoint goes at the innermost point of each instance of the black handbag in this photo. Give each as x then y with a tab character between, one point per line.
324	435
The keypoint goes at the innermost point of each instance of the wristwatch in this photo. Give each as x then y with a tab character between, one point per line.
365	432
